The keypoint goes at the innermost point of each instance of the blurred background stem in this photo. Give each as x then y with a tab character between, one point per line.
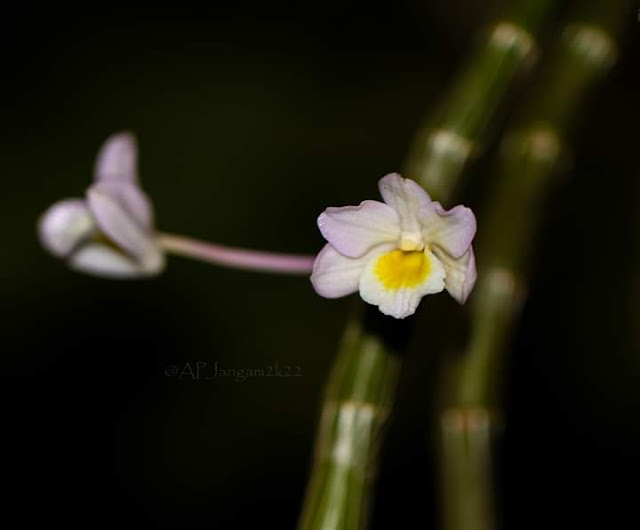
530	153
356	405
360	390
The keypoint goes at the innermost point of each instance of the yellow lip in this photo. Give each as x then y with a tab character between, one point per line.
399	268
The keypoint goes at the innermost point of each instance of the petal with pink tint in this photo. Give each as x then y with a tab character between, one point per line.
118	224
453	230
335	275
118	159
130	198
353	230
461	273
65	225
406	197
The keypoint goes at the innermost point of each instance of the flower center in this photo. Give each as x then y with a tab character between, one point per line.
399	268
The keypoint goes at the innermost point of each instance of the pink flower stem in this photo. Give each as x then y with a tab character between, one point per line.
238	258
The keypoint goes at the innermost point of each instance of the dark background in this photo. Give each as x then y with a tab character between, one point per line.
251	121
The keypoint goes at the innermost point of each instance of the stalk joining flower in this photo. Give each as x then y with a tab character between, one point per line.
397	251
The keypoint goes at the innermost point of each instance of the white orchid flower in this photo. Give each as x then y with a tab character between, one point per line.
110	232
397	251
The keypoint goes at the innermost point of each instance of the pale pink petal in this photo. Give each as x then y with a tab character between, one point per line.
405	196
130	198
453	230
461	273
353	230
403	301
65	225
335	275
117	159
119	224
101	260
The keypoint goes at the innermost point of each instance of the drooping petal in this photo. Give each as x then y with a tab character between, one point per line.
353	230
406	197
397	280
119	224
453	230
335	275
65	225
461	273
118	159
130	198
101	260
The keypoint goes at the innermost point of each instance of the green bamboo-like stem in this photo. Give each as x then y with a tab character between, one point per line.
356	406
453	133
530	154
340	488
466	464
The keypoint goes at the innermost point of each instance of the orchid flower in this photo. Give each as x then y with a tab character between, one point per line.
397	251
110	232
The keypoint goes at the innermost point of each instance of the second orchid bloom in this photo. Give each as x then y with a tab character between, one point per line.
109	233
397	251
